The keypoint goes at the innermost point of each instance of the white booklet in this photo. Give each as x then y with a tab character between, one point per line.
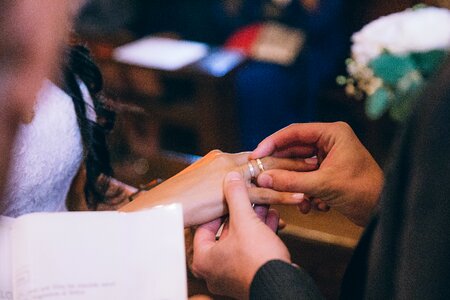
94	255
161	53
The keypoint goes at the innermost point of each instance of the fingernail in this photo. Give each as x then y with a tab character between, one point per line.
233	176
299	196
311	161
265	180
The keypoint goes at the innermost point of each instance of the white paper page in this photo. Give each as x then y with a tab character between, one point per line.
160	53
101	255
6	224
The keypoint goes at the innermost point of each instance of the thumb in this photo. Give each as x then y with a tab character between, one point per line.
236	194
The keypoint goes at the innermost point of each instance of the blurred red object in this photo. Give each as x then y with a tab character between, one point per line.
243	39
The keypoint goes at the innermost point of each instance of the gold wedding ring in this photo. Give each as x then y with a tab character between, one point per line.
260	165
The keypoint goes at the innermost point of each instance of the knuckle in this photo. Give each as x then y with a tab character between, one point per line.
215	152
196	269
293	125
342	126
221	159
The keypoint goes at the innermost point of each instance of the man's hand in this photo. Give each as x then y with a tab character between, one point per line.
229	264
348	178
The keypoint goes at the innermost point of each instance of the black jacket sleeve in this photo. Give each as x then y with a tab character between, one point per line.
280	280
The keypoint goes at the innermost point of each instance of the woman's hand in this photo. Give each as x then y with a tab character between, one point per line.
348	178
199	187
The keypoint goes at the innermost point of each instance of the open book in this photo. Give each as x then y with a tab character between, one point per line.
94	255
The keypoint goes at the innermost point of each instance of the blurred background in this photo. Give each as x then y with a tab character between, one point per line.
265	64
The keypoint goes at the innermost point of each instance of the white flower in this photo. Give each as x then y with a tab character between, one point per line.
399	33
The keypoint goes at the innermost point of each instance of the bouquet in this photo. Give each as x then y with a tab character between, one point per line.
394	56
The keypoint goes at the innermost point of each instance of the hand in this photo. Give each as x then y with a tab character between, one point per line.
199	187
348	178
249	241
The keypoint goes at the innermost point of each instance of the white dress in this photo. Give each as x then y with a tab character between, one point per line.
46	156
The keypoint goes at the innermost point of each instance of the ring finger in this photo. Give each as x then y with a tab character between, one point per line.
253	168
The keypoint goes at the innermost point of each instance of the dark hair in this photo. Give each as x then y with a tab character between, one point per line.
79	66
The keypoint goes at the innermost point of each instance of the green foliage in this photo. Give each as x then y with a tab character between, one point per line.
391	68
378	103
403	77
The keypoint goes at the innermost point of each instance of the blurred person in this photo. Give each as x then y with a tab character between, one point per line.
276	90
31	34
58	128
62	134
403	253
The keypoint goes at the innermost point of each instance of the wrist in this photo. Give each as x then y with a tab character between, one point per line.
144	187
263	264
143	199
277	278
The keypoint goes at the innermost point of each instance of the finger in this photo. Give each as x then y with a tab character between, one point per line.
291	164
321	205
261	211
291	181
281	224
304	207
296	151
272	219
251	169
205	235
268	196
307	133
236	194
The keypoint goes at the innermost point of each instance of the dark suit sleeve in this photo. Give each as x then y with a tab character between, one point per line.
280	280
